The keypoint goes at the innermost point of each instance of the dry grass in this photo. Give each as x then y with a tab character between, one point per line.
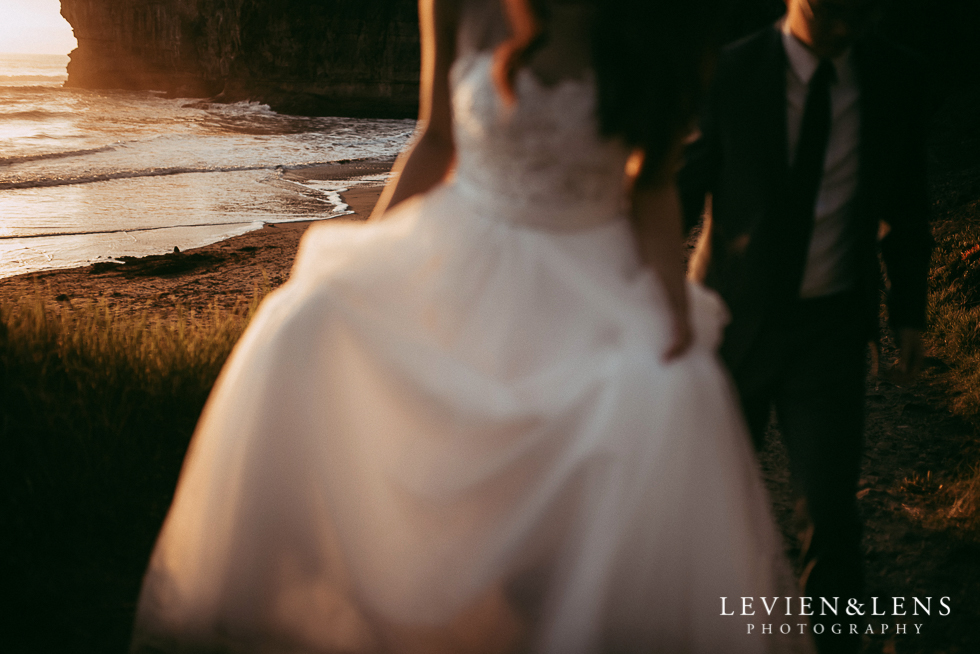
954	310
954	336
966	502
96	414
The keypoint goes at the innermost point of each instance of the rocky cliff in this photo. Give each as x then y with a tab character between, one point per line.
314	57
361	57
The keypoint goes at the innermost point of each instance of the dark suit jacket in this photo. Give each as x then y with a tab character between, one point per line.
741	159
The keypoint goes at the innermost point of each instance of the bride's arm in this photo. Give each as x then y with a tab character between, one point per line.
430	159
656	214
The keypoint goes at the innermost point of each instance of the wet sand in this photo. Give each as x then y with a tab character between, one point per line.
222	275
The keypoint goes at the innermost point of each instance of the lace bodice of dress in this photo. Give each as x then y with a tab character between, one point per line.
540	161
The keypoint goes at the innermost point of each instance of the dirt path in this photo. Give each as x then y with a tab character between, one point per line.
913	446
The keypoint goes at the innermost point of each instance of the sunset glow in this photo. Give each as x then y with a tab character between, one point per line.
34	27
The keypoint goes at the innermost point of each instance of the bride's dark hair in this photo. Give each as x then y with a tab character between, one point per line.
651	59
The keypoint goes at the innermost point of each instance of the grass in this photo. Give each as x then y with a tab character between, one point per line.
954	336
954	310
97	409
954	301
96	412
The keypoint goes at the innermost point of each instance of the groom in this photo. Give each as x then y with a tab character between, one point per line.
812	153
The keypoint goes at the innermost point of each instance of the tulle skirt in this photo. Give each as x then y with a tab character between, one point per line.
453	432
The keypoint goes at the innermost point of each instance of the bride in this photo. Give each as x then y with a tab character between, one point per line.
492	420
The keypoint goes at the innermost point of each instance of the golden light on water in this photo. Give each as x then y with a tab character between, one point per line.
24	129
34	27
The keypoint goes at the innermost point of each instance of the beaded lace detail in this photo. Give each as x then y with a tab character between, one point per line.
542	161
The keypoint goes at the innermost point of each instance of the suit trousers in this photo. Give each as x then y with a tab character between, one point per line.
810	364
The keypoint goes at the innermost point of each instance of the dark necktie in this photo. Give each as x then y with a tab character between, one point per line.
805	174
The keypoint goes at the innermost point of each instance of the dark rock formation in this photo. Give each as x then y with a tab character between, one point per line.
313	57
361	57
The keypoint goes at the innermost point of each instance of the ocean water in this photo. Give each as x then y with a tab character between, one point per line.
94	175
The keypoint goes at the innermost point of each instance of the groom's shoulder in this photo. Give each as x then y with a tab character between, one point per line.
747	53
888	54
894	70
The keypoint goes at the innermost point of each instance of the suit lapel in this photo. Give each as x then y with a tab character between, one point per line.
772	112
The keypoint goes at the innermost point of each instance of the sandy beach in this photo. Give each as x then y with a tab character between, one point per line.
220	275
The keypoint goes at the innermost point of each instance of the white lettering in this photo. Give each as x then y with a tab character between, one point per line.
805	608
786	630
767	628
874	607
927	607
747	606
723	607
769	608
943	603
900	629
824	604
818	628
918	628
854	628
898	604
751	627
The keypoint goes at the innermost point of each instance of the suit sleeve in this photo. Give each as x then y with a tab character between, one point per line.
907	247
701	164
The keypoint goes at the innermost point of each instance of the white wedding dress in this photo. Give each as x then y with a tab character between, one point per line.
452	430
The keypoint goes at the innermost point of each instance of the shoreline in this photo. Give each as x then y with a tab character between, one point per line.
222	275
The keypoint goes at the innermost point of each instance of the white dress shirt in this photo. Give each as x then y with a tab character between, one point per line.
829	264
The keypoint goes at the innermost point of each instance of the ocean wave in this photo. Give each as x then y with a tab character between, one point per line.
32	78
33	114
15	92
6	161
244	106
45	182
126	230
